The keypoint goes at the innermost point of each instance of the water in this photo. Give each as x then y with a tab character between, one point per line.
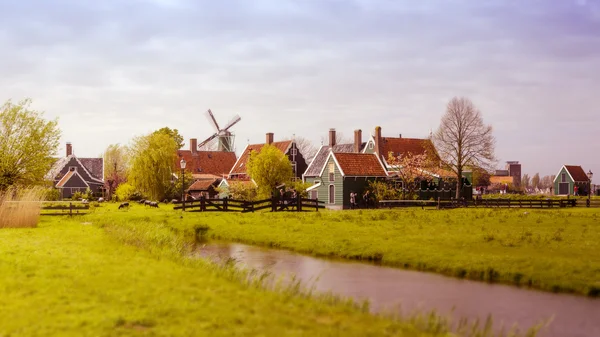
396	289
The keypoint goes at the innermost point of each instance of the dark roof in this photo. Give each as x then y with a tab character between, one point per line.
314	170
217	163
577	173
360	164
95	166
240	165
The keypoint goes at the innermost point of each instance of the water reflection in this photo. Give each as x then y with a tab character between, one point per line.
388	288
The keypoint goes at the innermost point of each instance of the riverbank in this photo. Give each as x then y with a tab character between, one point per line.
70	277
552	250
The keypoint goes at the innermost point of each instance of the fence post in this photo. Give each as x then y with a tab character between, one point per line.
317	204
298	203
202	203
70	209
438	204
273	203
225	204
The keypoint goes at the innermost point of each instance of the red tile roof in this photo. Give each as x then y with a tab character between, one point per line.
415	146
577	173
240	165
360	164
206	162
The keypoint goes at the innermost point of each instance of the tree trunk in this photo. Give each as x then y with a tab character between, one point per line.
458	184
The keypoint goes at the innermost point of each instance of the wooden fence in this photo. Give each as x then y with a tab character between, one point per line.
488	203
233	205
70	209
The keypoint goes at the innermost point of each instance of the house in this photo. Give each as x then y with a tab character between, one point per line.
288	147
343	173
71	174
570	177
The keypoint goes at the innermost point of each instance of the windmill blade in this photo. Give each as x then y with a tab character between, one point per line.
232	122
212	117
208	140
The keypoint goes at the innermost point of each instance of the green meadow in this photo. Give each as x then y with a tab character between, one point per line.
554	250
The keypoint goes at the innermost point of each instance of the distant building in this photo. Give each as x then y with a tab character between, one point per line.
511	175
570	177
71	174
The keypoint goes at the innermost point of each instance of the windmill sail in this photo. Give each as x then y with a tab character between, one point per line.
224	137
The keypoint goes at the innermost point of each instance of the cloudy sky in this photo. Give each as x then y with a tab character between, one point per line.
111	70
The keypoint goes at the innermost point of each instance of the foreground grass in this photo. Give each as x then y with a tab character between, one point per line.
554	250
69	277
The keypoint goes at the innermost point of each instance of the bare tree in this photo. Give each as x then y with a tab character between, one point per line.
307	148
525	181
535	181
463	139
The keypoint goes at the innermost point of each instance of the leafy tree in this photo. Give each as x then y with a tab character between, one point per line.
240	190
382	190
269	168
535	181
462	139
174	190
481	177
301	187
27	143
116	165
174	134
151	158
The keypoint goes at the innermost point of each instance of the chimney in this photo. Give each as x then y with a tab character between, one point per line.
357	140
331	137
378	145
400	136
193	145
270	137
69	149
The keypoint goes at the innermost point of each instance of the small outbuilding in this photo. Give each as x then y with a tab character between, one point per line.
571	180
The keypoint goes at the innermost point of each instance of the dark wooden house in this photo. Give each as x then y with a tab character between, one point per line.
71	174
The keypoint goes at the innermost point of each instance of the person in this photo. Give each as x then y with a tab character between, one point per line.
352	199
366	199
576	190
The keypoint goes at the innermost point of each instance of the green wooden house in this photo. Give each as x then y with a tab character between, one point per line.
342	174
569	177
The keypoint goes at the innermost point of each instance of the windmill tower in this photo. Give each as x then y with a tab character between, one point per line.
224	137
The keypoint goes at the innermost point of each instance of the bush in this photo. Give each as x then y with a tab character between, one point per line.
126	192
52	194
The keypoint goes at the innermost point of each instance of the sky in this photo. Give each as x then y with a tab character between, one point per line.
115	69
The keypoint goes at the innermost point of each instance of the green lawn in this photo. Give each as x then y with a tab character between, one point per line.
554	250
78	278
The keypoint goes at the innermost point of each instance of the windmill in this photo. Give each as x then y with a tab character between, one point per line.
224	136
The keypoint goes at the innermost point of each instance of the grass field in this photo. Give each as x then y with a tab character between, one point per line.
553	250
78	278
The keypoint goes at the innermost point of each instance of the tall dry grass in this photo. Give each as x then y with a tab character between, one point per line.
20	207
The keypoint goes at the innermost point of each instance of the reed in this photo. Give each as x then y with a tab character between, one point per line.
20	207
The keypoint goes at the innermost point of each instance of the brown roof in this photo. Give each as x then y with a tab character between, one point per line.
399	146
94	166
240	165
201	176
577	173
206	162
360	164
202	185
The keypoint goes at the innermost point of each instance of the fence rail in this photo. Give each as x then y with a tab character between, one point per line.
70	209
233	205
488	203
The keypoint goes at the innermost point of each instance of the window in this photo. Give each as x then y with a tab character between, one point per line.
294	167
331	172
371	146
72	168
563	178
294	151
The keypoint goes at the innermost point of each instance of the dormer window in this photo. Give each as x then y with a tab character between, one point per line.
72	168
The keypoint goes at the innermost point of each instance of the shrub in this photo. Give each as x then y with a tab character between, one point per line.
125	192
52	194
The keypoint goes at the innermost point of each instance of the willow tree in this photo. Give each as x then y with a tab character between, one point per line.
27	144
463	139
116	166
151	159
268	168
